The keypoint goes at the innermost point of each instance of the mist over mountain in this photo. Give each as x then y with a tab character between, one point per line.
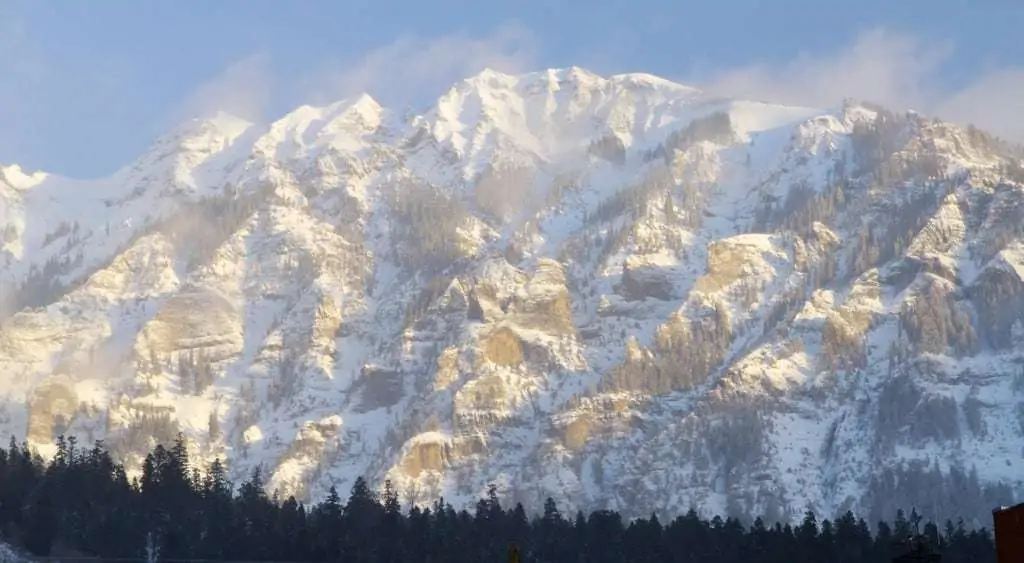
618	292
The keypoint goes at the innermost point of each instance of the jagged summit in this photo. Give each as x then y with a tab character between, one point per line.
307	130
652	81
220	120
619	292
555	79
216	129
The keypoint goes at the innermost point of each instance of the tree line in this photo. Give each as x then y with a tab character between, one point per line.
83	503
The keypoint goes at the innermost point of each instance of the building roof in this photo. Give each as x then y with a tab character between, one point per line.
1019	506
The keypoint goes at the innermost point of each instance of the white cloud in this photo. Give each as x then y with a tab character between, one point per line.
413	69
995	103
245	89
898	70
409	70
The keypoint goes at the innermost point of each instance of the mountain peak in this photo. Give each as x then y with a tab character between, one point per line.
490	77
578	73
643	79
204	133
16	177
556	78
342	124
364	104
573	74
220	121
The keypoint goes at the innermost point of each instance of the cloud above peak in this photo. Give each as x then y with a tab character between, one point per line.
409	71
245	89
414	69
896	69
995	103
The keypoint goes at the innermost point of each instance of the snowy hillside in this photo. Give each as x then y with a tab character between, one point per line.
618	292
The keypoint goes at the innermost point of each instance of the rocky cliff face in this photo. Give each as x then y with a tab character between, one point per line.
618	292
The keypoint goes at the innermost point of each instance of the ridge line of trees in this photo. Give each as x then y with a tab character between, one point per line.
82	503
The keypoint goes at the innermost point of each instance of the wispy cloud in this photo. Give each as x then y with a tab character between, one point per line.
245	88
995	103
413	69
407	71
895	69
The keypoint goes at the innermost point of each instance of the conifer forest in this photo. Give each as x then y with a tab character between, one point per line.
83	505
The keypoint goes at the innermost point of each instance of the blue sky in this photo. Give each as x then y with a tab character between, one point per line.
84	86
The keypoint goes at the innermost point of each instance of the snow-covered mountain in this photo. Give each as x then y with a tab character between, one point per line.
618	292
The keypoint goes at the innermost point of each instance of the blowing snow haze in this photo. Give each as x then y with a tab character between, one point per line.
619	292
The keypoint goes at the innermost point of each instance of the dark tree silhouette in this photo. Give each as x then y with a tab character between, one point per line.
83	501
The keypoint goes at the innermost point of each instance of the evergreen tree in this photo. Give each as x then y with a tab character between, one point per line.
83	501
41	521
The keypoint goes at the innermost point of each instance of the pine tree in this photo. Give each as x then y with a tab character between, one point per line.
41	521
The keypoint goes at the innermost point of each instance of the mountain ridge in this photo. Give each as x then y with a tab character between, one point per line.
619	292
